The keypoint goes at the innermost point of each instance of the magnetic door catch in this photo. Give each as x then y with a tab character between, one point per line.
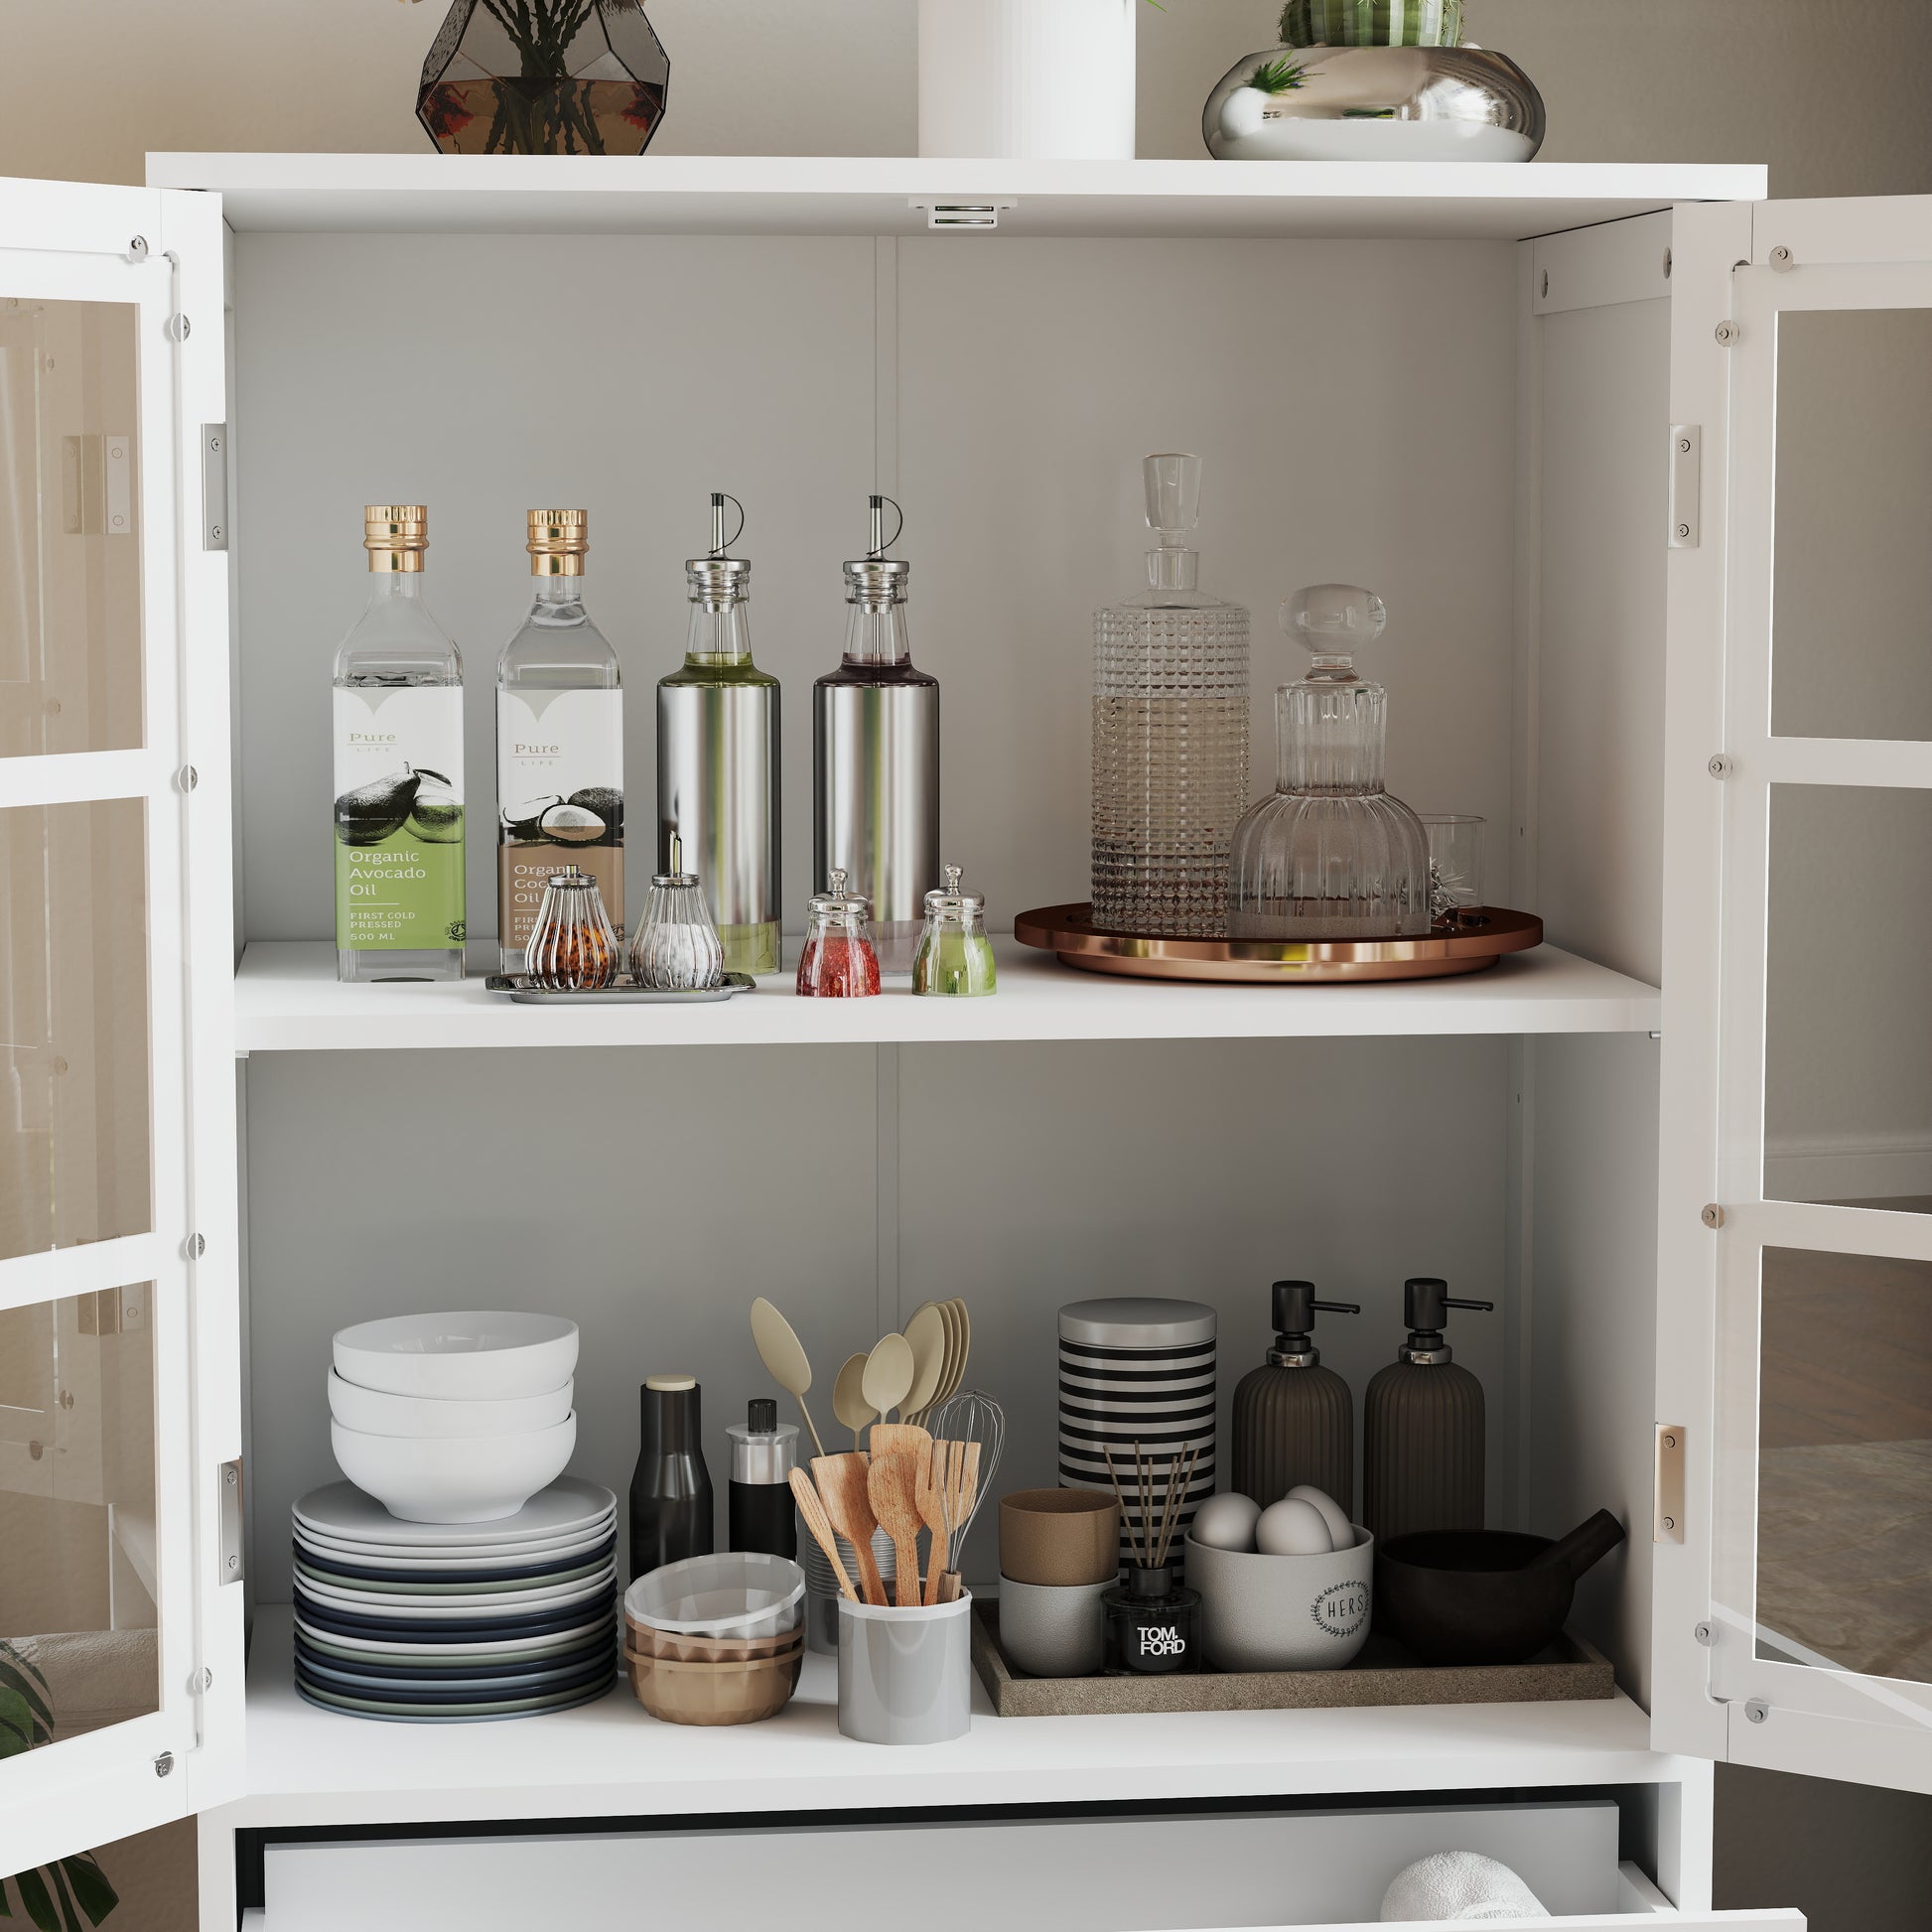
214	485
1667	1489
231	1539
1685	486
964	215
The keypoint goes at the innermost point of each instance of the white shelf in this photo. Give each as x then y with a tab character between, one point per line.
611	1758
287	1000
824	195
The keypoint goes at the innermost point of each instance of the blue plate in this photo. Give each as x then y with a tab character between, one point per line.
457	1715
325	1616
334	1567
454	1671
488	1690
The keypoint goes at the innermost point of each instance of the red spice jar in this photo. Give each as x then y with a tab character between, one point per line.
838	962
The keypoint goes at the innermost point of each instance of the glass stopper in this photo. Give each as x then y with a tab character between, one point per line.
1172	497
1332	621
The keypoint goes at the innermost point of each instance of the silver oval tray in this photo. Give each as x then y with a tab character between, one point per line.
524	991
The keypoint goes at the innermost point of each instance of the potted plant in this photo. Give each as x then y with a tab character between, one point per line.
56	1897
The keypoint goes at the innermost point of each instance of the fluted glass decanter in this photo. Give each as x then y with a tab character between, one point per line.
1170	732
1330	856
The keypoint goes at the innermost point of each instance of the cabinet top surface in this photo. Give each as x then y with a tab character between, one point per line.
610	1758
866	194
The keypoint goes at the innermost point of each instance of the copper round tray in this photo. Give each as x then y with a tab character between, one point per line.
1476	942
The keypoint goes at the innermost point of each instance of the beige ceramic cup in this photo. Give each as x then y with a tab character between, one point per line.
1059	1538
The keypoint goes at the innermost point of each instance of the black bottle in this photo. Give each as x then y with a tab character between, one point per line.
1294	1420
670	1494
1423	1426
760	1509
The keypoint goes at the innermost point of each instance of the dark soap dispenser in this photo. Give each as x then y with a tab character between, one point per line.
1294	1420
1423	1426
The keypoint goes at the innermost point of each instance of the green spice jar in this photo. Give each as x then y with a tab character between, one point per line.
955	957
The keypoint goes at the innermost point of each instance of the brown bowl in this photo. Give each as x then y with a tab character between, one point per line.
714	1694
648	1643
1059	1538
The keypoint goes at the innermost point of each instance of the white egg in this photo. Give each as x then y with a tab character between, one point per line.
1341	1531
1293	1529
1227	1522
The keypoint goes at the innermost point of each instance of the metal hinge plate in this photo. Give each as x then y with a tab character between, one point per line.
964	215
214	485
231	1539
1667	1487
1685	486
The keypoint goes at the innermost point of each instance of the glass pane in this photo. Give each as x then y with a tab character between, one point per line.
1847	1052
1845	1464
73	1025
69	527
77	1636
1851	633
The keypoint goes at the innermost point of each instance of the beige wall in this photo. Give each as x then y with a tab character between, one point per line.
1835	95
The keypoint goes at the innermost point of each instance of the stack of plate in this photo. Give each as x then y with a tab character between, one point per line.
452	1624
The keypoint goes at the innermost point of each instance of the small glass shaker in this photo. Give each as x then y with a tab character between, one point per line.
675	949
955	957
839	962
573	947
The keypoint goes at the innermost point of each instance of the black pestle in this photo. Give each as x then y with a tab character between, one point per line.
1583	1548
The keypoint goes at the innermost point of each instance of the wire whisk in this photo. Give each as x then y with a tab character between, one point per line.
971	1417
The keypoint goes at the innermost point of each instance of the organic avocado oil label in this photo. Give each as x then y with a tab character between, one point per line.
399	818
559	800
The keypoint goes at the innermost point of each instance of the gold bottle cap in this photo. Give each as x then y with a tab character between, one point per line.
558	541
395	535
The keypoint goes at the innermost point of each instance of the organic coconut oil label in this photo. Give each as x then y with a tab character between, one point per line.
559	800
399	818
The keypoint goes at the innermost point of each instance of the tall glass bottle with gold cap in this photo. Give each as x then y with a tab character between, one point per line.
717	759
559	742
398	770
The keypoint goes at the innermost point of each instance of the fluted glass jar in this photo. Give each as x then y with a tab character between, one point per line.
839	961
1169	731
955	957
1331	854
573	947
677	949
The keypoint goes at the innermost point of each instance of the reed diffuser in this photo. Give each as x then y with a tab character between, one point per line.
1154	1621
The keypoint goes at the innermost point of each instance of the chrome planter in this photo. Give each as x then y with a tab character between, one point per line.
1375	103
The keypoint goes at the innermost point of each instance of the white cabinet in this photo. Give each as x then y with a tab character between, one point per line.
1500	395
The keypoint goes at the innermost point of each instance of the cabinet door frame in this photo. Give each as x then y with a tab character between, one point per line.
162	253
1736	273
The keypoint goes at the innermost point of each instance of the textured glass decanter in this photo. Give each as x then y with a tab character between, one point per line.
1170	732
1330	856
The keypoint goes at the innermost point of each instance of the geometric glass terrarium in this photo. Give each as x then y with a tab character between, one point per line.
544	76
1331	854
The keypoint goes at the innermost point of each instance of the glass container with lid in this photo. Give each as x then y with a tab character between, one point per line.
955	957
573	947
676	949
1331	854
838	962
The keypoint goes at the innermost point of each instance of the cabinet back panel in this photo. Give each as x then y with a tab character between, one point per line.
1353	401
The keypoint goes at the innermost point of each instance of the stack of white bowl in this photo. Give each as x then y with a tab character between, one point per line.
454	1417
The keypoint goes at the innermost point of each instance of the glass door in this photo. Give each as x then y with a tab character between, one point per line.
1817	1555
118	1329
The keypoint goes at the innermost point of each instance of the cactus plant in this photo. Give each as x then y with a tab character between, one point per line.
1372	23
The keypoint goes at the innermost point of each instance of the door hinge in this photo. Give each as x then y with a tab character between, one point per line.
1713	1215
163	1765
230	1539
1757	1710
1705	1633
214	485
1728	333
1685	486
1782	261
1717	765
1667	1487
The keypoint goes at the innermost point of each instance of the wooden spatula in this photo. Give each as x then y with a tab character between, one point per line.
932	1508
894	1494
820	1525
841	1488
900	1439
962	1489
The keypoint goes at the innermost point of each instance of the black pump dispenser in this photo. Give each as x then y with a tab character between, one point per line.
1424	1425
1294	1420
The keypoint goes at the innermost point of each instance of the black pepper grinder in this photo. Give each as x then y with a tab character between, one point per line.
759	1508
670	1494
1294	1420
1423	1426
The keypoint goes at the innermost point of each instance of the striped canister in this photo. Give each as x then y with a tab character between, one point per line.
1138	1369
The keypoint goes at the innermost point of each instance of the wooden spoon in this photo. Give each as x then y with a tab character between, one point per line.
893	1488
849	1402
841	1488
927	1334
783	1356
889	1373
820	1525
